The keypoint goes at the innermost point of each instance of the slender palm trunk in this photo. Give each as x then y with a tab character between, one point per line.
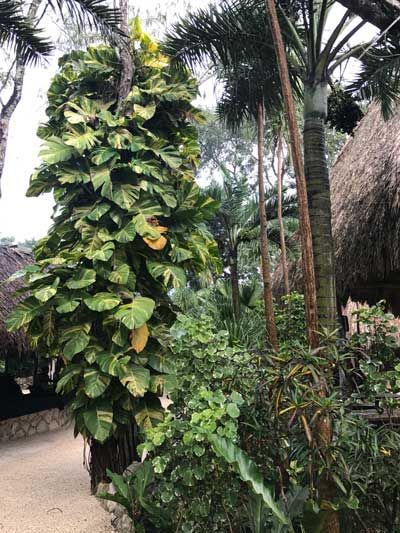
127	65
285	269
234	276
310	297
324	424
265	263
10	105
319	201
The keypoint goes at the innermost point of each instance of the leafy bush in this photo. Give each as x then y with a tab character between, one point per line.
236	413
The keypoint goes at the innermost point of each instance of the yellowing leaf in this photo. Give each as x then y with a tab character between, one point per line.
139	338
157	244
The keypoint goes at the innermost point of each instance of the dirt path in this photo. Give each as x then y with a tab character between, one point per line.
45	489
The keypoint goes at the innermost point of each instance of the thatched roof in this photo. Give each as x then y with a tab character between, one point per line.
12	259
365	194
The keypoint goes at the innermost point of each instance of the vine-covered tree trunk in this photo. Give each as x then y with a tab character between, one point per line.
319	201
310	297
280	163
116	454
10	105
265	262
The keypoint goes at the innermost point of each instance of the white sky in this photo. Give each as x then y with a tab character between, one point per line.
22	217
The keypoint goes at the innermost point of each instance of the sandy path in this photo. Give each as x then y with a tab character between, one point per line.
44	487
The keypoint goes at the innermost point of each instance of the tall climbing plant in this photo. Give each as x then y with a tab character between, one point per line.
128	226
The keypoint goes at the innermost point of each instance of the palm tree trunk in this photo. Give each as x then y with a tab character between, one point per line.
9	107
234	276
319	201
127	65
285	269
265	263
318	187
310	297
324	424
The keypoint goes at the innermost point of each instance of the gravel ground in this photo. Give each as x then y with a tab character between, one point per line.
44	487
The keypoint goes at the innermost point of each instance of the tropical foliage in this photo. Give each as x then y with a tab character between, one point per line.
128	227
259	413
20	33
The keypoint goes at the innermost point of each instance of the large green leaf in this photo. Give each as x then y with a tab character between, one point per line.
168	154
125	194
68	378
135	378
148	168
136	313
102	254
99	420
248	471
171	274
66	304
45	293
102	301
120	275
161	363
126	234
144	228
100	176
102	155
145	112
84	277
55	151
120	139
111	363
76	344
163	383
22	314
82	141
98	211
95	382
149	412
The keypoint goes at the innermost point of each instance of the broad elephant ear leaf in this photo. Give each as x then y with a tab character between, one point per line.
76	344
95	382
136	313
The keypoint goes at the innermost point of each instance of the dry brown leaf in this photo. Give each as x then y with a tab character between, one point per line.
156	244
139	338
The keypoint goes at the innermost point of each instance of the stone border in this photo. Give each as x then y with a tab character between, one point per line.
33	424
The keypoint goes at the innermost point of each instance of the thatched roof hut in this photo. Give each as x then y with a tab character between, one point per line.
12	259
365	194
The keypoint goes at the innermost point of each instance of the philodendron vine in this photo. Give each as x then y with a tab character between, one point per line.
128	225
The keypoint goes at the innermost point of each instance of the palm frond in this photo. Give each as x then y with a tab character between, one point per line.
94	15
219	34
379	77
18	34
